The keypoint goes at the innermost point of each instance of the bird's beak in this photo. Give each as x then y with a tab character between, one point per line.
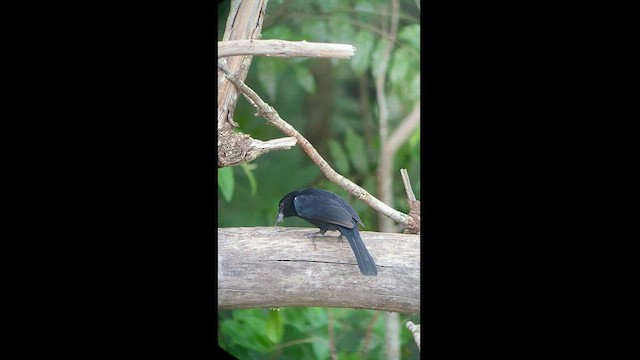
279	219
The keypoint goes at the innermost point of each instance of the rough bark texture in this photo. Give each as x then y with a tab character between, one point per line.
268	267
283	48
244	22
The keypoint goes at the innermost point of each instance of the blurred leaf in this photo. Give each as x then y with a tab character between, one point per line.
415	138
226	182
356	150
328	6
414	86
305	79
320	349
401	66
281	32
376	55
344	355
268	75
363	42
237	333
314	31
252	179
317	317
342	31
303	175
275	327
410	35
364	6
340	160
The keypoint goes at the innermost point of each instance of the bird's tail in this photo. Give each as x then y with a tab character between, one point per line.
363	258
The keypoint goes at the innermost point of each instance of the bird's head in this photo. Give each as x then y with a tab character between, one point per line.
286	207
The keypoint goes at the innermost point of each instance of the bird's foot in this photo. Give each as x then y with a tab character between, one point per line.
316	234
320	233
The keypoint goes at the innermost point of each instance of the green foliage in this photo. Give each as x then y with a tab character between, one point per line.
356	150
363	42
327	6
302	333
226	182
414	140
342	31
315	30
267	73
305	79
364	6
376	55
281	32
340	160
410	36
275	327
404	76
247	168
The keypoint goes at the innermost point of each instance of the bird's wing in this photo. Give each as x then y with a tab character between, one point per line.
324	209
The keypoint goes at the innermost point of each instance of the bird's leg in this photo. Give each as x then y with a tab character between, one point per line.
314	235
321	234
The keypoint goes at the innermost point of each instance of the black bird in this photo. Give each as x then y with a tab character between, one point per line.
329	211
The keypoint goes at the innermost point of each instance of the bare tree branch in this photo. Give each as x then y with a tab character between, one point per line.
332	344
235	148
385	178
258	147
407	185
415	330
368	335
414	205
385	162
282	48
404	130
273	118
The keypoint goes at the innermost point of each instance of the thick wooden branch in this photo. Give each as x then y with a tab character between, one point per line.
282	48
269	267
244	22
